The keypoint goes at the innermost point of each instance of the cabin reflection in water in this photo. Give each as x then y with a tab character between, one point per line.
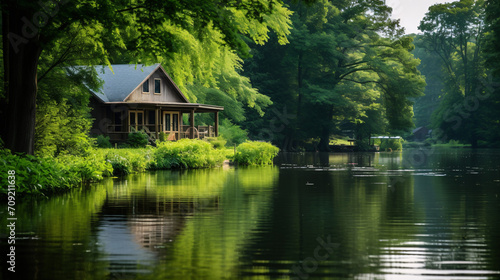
150	225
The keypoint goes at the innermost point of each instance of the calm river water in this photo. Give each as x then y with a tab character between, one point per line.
311	216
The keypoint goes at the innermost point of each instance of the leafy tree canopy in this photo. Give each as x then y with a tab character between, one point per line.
345	58
456	32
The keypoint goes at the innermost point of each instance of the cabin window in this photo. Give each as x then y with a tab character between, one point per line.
157	86
145	87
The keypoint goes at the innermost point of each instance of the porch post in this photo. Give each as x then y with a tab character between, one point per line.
191	123
127	121
157	124
216	125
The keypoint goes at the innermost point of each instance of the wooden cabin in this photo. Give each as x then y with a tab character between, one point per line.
145	98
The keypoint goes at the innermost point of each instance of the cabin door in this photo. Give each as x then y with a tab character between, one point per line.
136	120
171	125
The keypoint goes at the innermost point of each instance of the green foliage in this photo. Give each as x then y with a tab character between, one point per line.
344	60
217	142
43	176
233	109
36	176
391	144
255	153
137	139
463	113
187	153
162	136
233	134
90	168
452	144
60	128
103	141
127	161
202	60
63	115
431	66
493	36
121	165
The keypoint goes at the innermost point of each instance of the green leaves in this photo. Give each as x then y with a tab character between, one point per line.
455	33
338	67
255	153
61	128
44	176
187	153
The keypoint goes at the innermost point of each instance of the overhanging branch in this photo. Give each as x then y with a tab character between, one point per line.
342	77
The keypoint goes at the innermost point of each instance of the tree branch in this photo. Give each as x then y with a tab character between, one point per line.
354	64
60	60
130	9
363	82
341	77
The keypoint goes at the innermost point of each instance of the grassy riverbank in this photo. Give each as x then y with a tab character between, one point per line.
430	142
45	176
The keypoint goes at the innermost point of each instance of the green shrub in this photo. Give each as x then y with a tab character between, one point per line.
42	176
123	145
392	144
187	153
137	139
89	168
217	142
121	165
255	153
103	142
127	161
162	136
61	128
36	176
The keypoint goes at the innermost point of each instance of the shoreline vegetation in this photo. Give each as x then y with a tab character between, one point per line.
45	176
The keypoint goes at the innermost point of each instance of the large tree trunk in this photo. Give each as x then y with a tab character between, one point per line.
324	143
21	55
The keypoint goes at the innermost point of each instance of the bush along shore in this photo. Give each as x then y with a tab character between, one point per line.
45	176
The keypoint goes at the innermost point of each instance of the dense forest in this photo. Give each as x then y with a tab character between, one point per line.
290	72
458	53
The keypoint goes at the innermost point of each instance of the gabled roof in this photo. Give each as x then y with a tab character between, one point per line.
419	129
124	79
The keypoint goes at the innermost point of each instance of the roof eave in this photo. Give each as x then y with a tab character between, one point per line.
172	104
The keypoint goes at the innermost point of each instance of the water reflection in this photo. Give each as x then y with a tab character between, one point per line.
384	219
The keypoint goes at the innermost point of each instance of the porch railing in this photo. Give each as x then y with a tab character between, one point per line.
198	132
117	133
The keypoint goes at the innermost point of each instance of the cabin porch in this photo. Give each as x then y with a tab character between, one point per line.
121	119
